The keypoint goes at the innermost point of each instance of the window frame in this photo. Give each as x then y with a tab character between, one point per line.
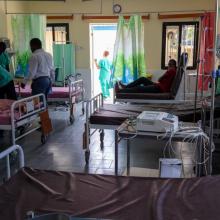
196	41
66	25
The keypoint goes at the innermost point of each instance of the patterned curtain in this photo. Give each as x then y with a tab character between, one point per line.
128	58
24	28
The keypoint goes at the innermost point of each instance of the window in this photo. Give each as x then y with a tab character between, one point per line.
179	37
56	33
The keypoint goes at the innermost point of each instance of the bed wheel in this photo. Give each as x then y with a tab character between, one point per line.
13	157
22	130
102	145
4	179
72	119
43	139
87	155
102	135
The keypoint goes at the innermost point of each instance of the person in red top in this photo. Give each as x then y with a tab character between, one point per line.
144	85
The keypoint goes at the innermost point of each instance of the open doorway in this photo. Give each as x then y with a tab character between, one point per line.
102	37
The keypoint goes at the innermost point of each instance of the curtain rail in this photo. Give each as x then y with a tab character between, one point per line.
63	17
123	13
173	16
85	17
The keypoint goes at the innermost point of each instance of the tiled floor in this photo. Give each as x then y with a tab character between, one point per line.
63	150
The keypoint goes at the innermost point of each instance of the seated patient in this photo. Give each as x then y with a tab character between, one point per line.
144	85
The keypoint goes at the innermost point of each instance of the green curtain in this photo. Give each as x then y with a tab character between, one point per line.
24	28
129	58
64	60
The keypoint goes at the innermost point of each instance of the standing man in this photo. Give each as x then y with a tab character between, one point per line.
41	70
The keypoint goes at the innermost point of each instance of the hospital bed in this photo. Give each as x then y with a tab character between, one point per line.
15	115
161	98
72	94
108	197
7	152
100	116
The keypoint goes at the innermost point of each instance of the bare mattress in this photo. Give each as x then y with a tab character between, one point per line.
115	114
109	197
56	93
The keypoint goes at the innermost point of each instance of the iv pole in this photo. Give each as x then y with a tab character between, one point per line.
63	55
202	62
63	58
213	94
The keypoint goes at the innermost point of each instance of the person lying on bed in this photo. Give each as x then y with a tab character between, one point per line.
144	85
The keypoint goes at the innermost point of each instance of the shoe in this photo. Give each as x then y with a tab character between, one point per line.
121	85
117	87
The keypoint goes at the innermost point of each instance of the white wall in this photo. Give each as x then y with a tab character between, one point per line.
79	29
3	20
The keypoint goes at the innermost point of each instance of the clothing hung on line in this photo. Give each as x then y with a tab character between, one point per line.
104	76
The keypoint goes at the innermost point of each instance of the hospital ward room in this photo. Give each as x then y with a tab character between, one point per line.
109	110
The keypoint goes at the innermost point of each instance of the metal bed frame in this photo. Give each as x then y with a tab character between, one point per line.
74	86
93	105
7	152
25	118
151	101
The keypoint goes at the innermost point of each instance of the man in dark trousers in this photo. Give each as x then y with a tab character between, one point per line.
144	85
41	70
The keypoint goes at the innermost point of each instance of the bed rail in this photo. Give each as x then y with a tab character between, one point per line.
92	105
76	86
76	95
25	111
7	152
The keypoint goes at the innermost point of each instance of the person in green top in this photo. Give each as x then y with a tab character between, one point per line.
4	58
7	88
104	67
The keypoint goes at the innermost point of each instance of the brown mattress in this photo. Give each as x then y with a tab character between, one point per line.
115	114
151	96
110	197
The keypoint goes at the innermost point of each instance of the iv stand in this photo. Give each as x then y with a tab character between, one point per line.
63	59
213	96
202	61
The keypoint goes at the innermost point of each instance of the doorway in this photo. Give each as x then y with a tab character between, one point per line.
102	37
